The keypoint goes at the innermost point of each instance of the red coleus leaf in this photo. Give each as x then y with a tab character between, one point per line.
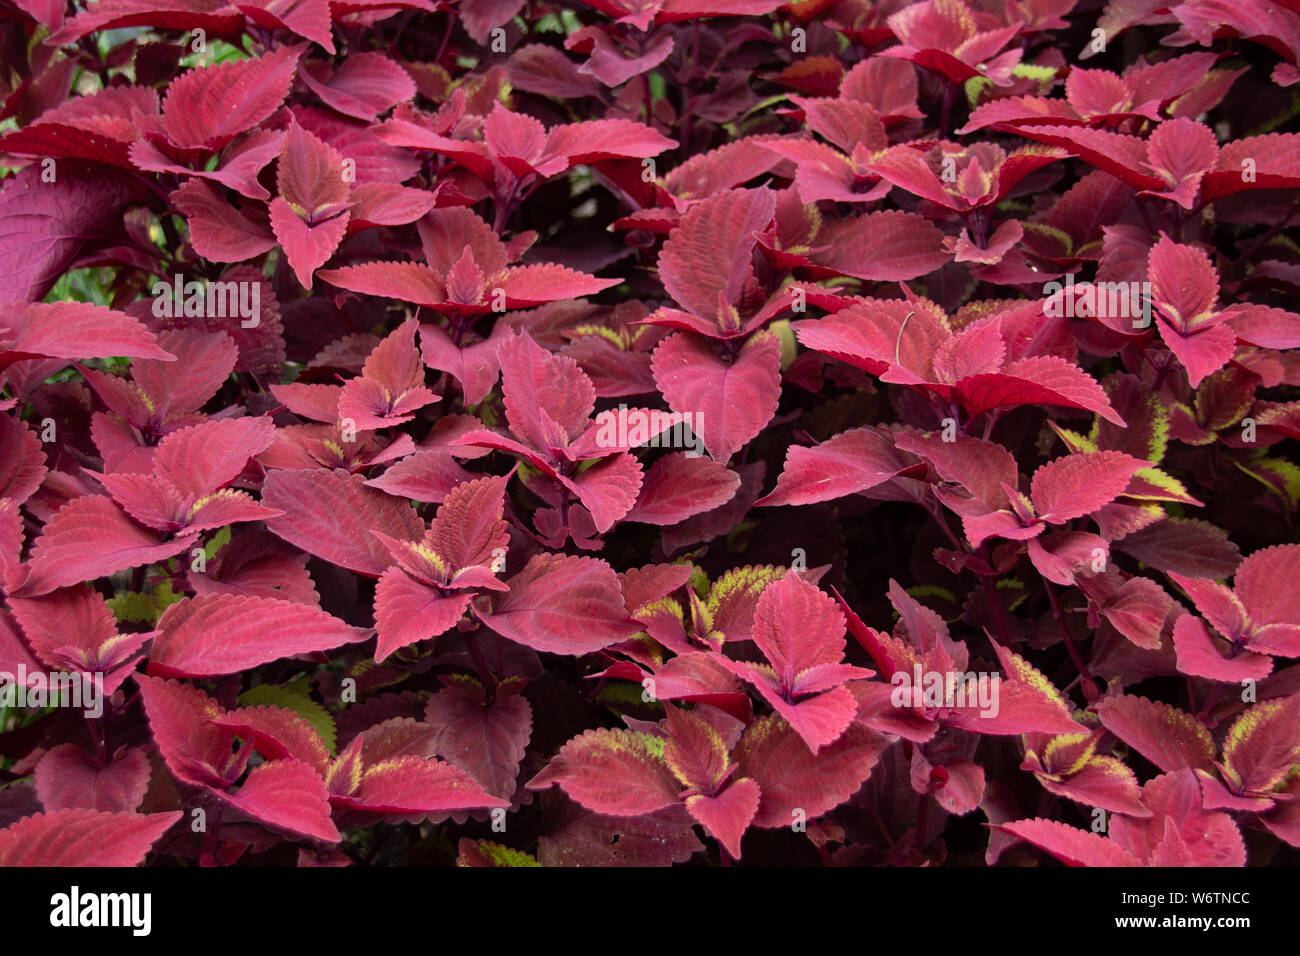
678	486
1201	654
852	462
795	783
1165	735
727	815
1262	746
1274	613
695	751
705	263
472	279
1070	767
331	514
192	465
207	107
310	177
800	631
309	19
425	476
68	778
310	216
1210	837
218	19
72	330
1171	164
617	772
484	17
73	628
548	399
1257	617
181	719
487	740
223	634
22	461
90	537
408	611
413	787
943	35
911	343
562	605
286	795
475	367
365	85
83	838
729	402
881	246
1078	485
1070	845
277	734
391	385
218	231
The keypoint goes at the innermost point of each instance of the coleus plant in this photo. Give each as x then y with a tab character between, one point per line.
469	433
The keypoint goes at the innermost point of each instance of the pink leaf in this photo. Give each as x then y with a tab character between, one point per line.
365	85
562	605
90	537
417	786
614	772
1201	655
407	611
223	634
542	391
1071	846
792	778
22	460
851	462
330	514
729	402
78	330
1042	379
608	488
1165	735
882	246
181	719
307	247
707	257
1077	485
218	231
209	106
1211	837
728	815
286	795
485	740
678	486
83	838
68	778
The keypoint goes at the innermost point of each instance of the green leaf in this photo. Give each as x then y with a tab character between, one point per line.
216	543
1278	476
137	607
502	855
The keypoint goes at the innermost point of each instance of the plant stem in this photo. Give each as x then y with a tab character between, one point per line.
949	94
1089	685
1263	240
